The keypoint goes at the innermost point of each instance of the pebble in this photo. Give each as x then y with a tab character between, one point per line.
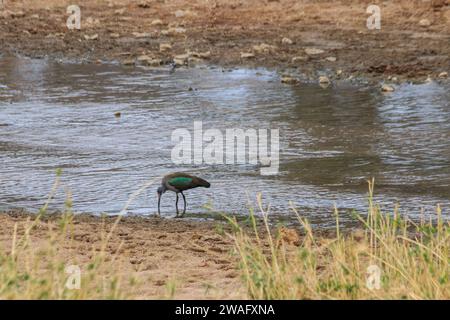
300	58
92	37
140	35
201	55
288	80
156	22
424	23
263	47
313	51
194	60
247	55
144	4
174	31
114	35
154	62
331	59
143	58
128	62
324	80
387	88
286	41
165	47
181	59
17	14
443	75
180	13
117	114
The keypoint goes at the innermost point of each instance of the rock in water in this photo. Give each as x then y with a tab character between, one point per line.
128	62
387	88
288	80
324	80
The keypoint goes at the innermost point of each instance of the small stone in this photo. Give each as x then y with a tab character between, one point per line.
183	56
286	41
247	55
443	75
339	72
17	14
144	4
92	37
117	114
165	47
194	60
387	88
143	58
180	13
175	31
140	35
128	62
202	55
424	23
181	59
154	62
324	80
300	58
179	62
313	51
114	35
35	16
156	22
288	80
331	59
263	47
119	11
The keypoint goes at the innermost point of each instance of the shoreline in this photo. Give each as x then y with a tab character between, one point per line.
305	44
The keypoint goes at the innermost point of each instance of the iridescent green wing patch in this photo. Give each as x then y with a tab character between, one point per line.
180	182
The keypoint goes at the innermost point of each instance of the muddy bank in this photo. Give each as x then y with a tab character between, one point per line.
306	38
166	258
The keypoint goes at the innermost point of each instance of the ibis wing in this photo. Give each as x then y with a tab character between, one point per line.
180	182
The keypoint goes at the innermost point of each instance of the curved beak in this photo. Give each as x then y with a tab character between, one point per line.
159	204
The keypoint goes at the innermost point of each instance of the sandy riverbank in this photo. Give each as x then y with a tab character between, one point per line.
323	37
162	258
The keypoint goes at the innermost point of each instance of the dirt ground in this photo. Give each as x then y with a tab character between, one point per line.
413	43
193	257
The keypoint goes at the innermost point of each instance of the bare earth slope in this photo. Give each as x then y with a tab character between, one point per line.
414	40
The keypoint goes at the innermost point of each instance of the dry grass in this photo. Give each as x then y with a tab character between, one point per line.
412	258
31	270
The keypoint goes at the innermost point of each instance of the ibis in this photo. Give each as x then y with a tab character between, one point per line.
179	182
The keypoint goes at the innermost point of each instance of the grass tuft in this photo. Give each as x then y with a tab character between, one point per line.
391	257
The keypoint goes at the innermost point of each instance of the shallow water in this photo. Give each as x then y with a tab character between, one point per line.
61	115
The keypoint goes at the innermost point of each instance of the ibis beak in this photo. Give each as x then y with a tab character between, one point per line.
159	204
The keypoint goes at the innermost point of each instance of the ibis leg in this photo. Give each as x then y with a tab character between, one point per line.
184	200
176	204
159	205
